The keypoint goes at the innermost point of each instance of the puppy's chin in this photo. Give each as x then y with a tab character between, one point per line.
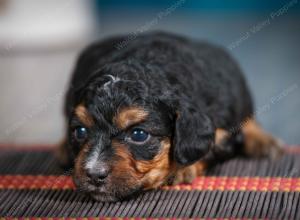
107	192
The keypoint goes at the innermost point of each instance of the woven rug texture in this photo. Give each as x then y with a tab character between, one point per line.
33	185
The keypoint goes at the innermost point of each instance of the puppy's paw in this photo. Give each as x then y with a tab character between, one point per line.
189	173
263	146
258	143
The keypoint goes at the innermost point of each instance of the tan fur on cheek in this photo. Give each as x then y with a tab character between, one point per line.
159	169
129	116
79	161
124	165
149	174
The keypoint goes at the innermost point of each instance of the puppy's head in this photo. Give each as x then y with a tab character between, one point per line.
126	139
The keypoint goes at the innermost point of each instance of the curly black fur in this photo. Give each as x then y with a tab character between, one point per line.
198	80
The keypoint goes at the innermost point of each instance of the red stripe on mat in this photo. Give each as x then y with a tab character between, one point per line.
200	183
292	149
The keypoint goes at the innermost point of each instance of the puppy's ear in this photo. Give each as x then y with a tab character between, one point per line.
193	135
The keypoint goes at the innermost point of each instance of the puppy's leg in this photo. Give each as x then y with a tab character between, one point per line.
226	145
189	173
250	140
258	143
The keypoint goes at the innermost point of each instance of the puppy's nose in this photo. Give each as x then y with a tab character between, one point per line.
98	175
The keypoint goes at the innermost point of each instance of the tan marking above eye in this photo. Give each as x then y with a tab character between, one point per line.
129	116
83	115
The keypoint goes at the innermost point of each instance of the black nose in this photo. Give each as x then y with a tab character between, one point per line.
98	175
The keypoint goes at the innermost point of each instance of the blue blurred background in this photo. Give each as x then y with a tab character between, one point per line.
37	57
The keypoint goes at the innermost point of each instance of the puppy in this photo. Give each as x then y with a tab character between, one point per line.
154	113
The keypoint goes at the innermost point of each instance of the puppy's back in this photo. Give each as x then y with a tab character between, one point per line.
204	73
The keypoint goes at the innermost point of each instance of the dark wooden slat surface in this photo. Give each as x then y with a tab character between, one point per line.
157	203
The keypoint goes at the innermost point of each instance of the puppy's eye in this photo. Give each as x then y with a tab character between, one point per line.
139	135
80	134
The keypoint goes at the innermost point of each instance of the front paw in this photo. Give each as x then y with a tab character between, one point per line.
189	173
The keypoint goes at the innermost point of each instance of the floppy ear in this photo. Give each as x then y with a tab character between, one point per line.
193	136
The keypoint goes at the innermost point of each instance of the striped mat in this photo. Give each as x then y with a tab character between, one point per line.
32	185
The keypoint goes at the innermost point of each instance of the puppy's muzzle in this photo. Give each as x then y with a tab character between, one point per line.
98	175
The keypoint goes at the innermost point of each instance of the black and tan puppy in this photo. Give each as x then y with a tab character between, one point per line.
153	112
